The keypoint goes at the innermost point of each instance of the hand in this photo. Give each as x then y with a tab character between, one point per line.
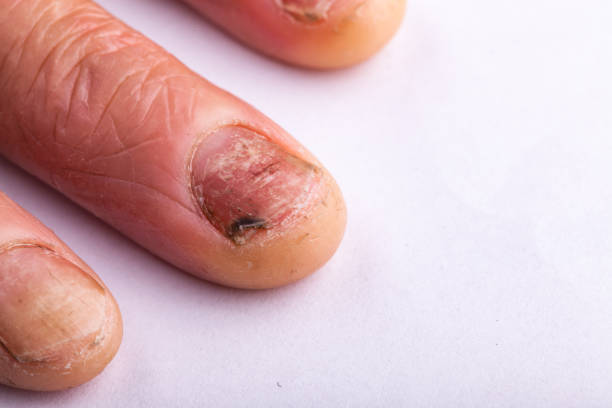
187	170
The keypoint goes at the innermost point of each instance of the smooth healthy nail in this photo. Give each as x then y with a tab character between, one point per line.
248	186
47	305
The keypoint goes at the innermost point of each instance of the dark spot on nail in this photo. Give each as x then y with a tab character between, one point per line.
310	16
242	225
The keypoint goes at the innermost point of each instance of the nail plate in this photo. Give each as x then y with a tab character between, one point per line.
46	304
246	185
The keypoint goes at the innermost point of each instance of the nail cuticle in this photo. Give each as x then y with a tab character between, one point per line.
20	244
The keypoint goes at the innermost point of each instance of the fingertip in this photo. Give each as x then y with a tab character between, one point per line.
304	248
341	33
59	326
319	34
281	217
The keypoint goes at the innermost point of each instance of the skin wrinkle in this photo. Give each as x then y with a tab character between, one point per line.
113	178
7	55
31	32
192	105
83	76
40	19
16	46
72	102
64	42
108	105
127	150
83	12
125	147
96	52
74	89
103	25
152	69
150	101
166	105
11	8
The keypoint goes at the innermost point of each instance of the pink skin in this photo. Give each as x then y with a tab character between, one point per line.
311	33
110	119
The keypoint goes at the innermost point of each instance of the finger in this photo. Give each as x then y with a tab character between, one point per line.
187	170
312	33
59	324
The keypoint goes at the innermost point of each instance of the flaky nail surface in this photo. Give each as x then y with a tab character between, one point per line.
247	185
46	304
306	11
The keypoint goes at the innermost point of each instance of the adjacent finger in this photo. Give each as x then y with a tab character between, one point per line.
187	170
312	33
59	324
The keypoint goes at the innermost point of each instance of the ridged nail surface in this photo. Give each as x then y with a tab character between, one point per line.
47	304
306	11
247	185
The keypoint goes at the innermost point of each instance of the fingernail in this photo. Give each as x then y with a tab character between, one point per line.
248	186
306	11
46	304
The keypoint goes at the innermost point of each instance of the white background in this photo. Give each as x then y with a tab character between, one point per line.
475	155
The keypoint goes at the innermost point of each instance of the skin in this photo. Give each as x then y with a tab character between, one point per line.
311	33
59	324
117	124
189	171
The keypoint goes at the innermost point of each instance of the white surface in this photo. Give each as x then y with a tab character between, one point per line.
475	156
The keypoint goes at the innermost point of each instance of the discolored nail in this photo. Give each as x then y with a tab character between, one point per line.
306	11
47	304
246	185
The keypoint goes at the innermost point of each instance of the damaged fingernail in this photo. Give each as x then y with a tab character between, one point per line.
306	11
46	304
247	185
